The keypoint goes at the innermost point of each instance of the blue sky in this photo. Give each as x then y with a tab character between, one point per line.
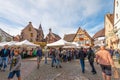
63	16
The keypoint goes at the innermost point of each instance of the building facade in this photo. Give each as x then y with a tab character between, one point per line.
52	37
32	34
110	36
117	20
83	38
99	38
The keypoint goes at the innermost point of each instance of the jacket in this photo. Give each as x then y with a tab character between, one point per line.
5	54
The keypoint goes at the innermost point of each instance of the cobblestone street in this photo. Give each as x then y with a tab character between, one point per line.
70	71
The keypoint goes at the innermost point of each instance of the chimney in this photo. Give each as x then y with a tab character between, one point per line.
50	30
30	22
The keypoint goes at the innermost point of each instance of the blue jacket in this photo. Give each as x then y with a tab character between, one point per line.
5	53
39	52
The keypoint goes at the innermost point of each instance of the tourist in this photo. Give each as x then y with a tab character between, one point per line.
5	53
105	60
39	56
82	56
57	57
15	65
74	54
117	54
53	57
45	54
64	55
111	51
34	52
11	53
91	57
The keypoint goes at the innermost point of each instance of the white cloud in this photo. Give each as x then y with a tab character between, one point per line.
60	15
11	30
95	29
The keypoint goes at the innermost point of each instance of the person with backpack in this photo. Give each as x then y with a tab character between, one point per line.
82	56
91	56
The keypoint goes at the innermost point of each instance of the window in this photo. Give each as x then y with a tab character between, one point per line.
29	28
31	35
116	15
117	3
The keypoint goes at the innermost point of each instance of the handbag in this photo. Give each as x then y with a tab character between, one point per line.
116	73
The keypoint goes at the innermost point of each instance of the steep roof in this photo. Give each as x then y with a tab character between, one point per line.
69	37
4	35
29	25
57	36
85	33
111	18
53	34
100	33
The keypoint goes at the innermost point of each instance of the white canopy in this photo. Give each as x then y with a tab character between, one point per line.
2	44
75	43
11	43
59	43
26	43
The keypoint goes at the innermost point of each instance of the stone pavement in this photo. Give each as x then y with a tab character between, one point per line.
70	71
26	68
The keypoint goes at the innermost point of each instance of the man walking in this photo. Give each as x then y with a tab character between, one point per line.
105	60
53	57
58	63
82	58
39	56
91	57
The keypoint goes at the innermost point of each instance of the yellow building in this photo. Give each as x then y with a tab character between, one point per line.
83	38
109	31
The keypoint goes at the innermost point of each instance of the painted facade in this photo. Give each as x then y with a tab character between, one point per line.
83	38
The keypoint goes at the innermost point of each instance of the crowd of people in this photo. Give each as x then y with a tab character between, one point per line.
102	56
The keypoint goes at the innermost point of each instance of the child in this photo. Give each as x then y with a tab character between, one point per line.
15	65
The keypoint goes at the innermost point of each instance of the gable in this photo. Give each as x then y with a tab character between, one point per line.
81	35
